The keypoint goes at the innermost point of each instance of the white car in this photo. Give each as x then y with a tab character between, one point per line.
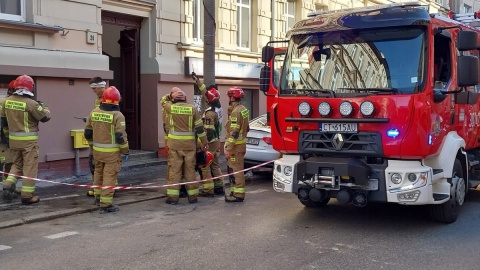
259	143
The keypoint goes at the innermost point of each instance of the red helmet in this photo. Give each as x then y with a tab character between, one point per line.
111	95
212	95
11	85
24	82
235	92
204	159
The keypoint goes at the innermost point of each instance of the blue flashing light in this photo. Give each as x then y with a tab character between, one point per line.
430	139
393	133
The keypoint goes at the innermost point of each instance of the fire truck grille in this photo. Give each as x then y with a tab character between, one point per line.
362	143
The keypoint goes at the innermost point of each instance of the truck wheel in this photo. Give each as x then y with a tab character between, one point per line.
448	212
312	204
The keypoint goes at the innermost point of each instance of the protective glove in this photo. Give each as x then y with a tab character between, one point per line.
125	157
194	76
40	103
84	119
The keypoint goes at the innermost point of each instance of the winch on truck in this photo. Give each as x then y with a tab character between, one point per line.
376	104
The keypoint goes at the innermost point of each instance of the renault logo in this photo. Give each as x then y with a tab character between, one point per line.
338	141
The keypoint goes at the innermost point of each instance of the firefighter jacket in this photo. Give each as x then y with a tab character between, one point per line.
212	125
98	101
184	125
237	126
20	117
105	131
4	150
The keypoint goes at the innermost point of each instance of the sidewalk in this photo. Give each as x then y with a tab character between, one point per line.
63	200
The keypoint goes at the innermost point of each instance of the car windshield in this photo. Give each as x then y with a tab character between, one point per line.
259	122
355	62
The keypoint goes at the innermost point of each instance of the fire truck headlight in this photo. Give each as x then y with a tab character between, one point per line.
396	178
412	177
304	108
324	109
367	108
346	108
288	170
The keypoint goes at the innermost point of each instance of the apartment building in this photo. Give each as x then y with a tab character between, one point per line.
144	48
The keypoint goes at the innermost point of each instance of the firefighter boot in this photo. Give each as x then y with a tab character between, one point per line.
192	200
232	198
96	201
206	194
8	193
219	191
171	201
110	209
32	200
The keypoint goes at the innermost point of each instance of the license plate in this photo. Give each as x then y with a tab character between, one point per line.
253	141
338	127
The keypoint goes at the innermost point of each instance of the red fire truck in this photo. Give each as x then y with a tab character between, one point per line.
376	104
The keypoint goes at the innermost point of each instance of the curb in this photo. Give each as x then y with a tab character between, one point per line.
71	212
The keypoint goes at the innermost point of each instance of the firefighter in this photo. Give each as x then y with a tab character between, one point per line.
184	124
23	114
166	99
216	107
97	85
105	131
5	158
213	128
235	142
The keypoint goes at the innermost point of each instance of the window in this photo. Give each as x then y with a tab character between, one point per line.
13	10
354	50
467	9
442	2
198	20
243	23
360	61
333	82
247	101
289	14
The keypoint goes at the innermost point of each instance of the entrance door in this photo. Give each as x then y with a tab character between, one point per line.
129	51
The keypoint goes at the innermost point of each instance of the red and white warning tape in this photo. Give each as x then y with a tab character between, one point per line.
133	187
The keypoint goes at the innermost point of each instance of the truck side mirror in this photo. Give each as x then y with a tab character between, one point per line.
267	53
467	40
467	70
439	96
265	74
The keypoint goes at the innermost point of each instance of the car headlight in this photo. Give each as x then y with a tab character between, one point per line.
324	108
304	108
288	170
346	108
396	178
367	108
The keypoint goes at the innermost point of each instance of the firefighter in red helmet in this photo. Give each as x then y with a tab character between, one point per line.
105	131
24	115
213	127
235	142
5	157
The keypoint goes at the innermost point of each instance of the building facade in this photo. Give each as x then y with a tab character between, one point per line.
144	48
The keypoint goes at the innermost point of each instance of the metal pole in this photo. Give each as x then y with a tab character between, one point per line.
77	162
208	45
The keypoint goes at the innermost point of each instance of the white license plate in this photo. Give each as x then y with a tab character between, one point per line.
338	127
253	141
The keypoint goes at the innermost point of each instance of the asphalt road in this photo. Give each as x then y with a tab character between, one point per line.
268	230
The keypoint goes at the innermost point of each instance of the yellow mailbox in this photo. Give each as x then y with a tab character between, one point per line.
79	140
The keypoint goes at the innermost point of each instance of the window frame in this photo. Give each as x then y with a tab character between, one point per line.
239	25
197	36
287	15
11	17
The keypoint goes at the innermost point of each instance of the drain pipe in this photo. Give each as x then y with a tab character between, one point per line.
272	37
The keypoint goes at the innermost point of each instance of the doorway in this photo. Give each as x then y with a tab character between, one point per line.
121	43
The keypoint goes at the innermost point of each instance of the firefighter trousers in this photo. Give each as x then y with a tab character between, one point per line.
213	170
105	175
235	162
25	160
181	162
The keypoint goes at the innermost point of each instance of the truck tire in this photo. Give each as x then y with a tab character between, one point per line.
313	204
449	211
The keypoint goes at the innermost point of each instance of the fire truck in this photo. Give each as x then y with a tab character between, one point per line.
376	104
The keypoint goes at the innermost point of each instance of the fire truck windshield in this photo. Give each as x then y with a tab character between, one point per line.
355	62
